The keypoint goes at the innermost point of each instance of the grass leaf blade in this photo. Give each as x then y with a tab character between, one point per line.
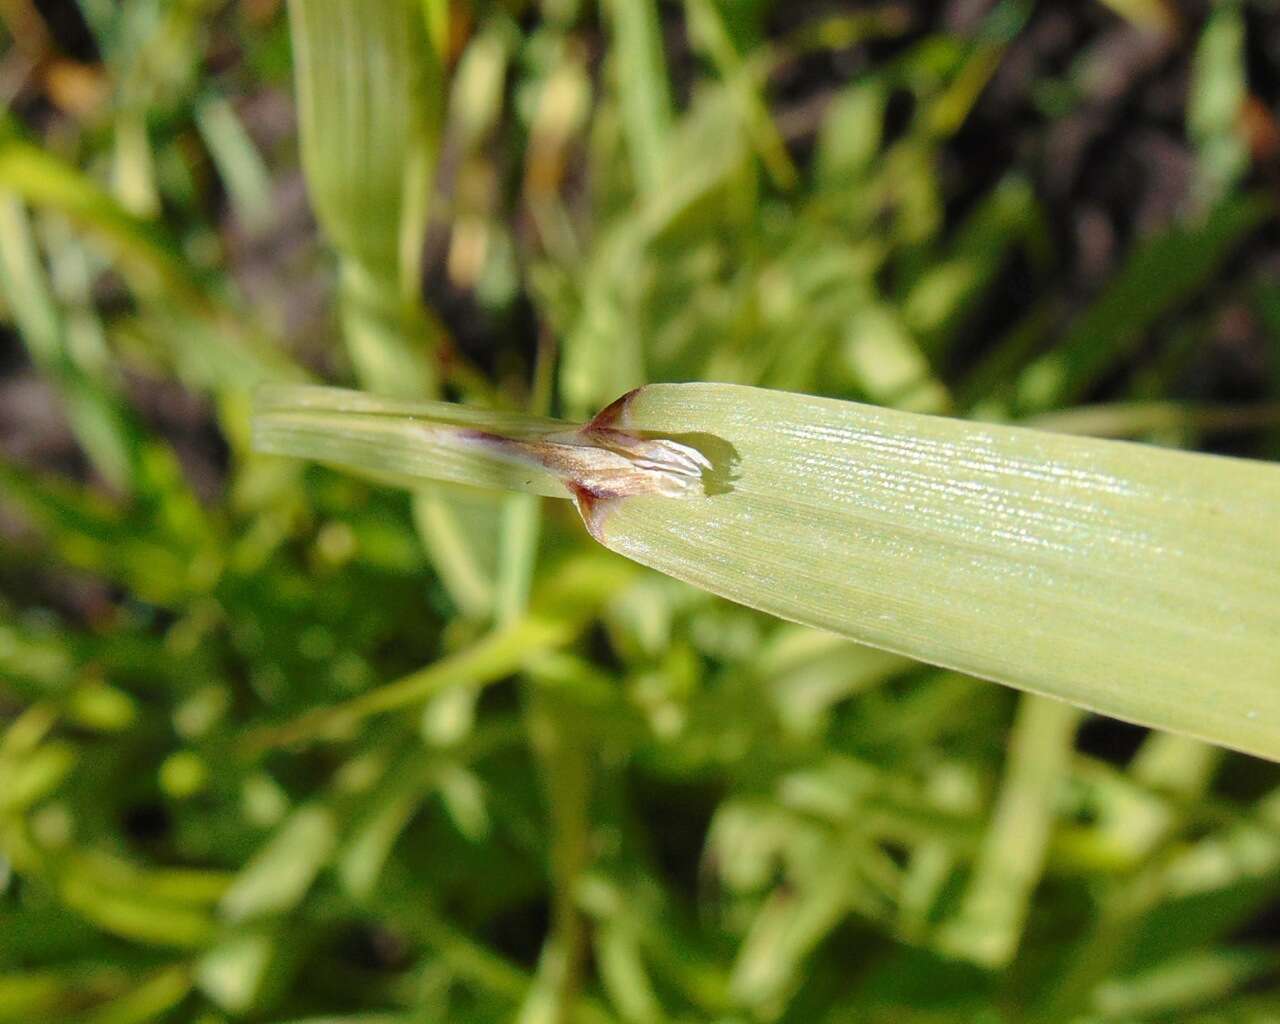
1138	582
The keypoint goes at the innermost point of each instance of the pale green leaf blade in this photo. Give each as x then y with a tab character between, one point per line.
1138	582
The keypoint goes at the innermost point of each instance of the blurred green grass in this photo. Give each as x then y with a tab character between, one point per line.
280	746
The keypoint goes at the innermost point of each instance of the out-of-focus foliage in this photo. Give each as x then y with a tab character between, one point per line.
277	745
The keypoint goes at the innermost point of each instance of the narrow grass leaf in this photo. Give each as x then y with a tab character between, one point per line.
1162	272
370	89
152	999
710	34
243	171
234	971
643	94
1139	419
369	102
101	424
989	926
1215	114
280	874
135	917
1189	981
1152	15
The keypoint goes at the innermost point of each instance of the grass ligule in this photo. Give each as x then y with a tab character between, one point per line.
1139	582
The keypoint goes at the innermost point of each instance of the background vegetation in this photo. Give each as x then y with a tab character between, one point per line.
278	745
